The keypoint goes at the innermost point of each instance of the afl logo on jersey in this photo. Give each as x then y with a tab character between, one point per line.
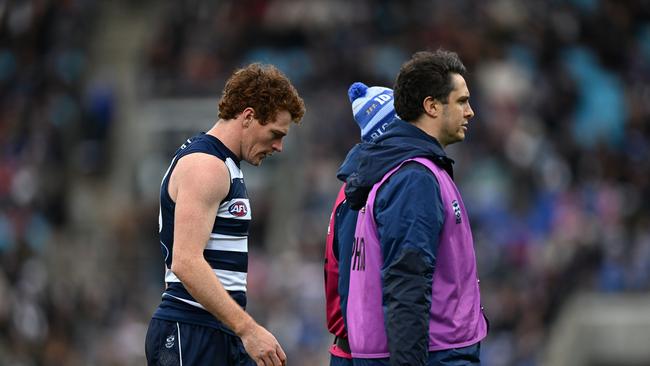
238	209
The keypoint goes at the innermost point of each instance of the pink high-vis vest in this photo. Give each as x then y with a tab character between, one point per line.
455	317
334	316
332	297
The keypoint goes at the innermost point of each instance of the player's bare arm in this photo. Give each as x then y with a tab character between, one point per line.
198	184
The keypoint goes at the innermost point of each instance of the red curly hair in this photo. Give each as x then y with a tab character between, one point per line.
265	89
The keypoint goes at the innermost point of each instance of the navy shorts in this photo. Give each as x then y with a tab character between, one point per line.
171	343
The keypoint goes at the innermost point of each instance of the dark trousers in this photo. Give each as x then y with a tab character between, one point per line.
340	361
466	356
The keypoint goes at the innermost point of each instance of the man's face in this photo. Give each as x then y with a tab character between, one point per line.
456	113
260	141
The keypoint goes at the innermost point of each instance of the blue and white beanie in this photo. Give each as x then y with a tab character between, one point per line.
373	109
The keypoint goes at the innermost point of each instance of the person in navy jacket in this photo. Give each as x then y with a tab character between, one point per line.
413	290
373	110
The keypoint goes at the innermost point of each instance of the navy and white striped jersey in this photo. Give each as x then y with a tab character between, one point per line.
227	249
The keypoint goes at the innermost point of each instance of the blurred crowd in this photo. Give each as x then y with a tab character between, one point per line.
54	129
554	173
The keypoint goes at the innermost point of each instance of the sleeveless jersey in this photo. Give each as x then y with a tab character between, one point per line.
227	248
455	316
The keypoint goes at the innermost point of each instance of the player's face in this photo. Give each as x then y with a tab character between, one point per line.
456	113
261	141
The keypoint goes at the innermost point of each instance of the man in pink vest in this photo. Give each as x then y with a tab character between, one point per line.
413	292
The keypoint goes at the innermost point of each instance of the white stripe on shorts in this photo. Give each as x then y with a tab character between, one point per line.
180	351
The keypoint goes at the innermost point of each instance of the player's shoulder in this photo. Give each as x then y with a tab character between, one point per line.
204	174
202	163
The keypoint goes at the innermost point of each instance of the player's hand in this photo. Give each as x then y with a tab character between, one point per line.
262	347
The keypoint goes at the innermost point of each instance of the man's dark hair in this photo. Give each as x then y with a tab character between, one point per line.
425	74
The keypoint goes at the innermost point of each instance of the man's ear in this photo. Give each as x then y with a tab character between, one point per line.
248	114
431	106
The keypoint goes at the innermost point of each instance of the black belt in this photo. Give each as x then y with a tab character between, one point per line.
342	343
